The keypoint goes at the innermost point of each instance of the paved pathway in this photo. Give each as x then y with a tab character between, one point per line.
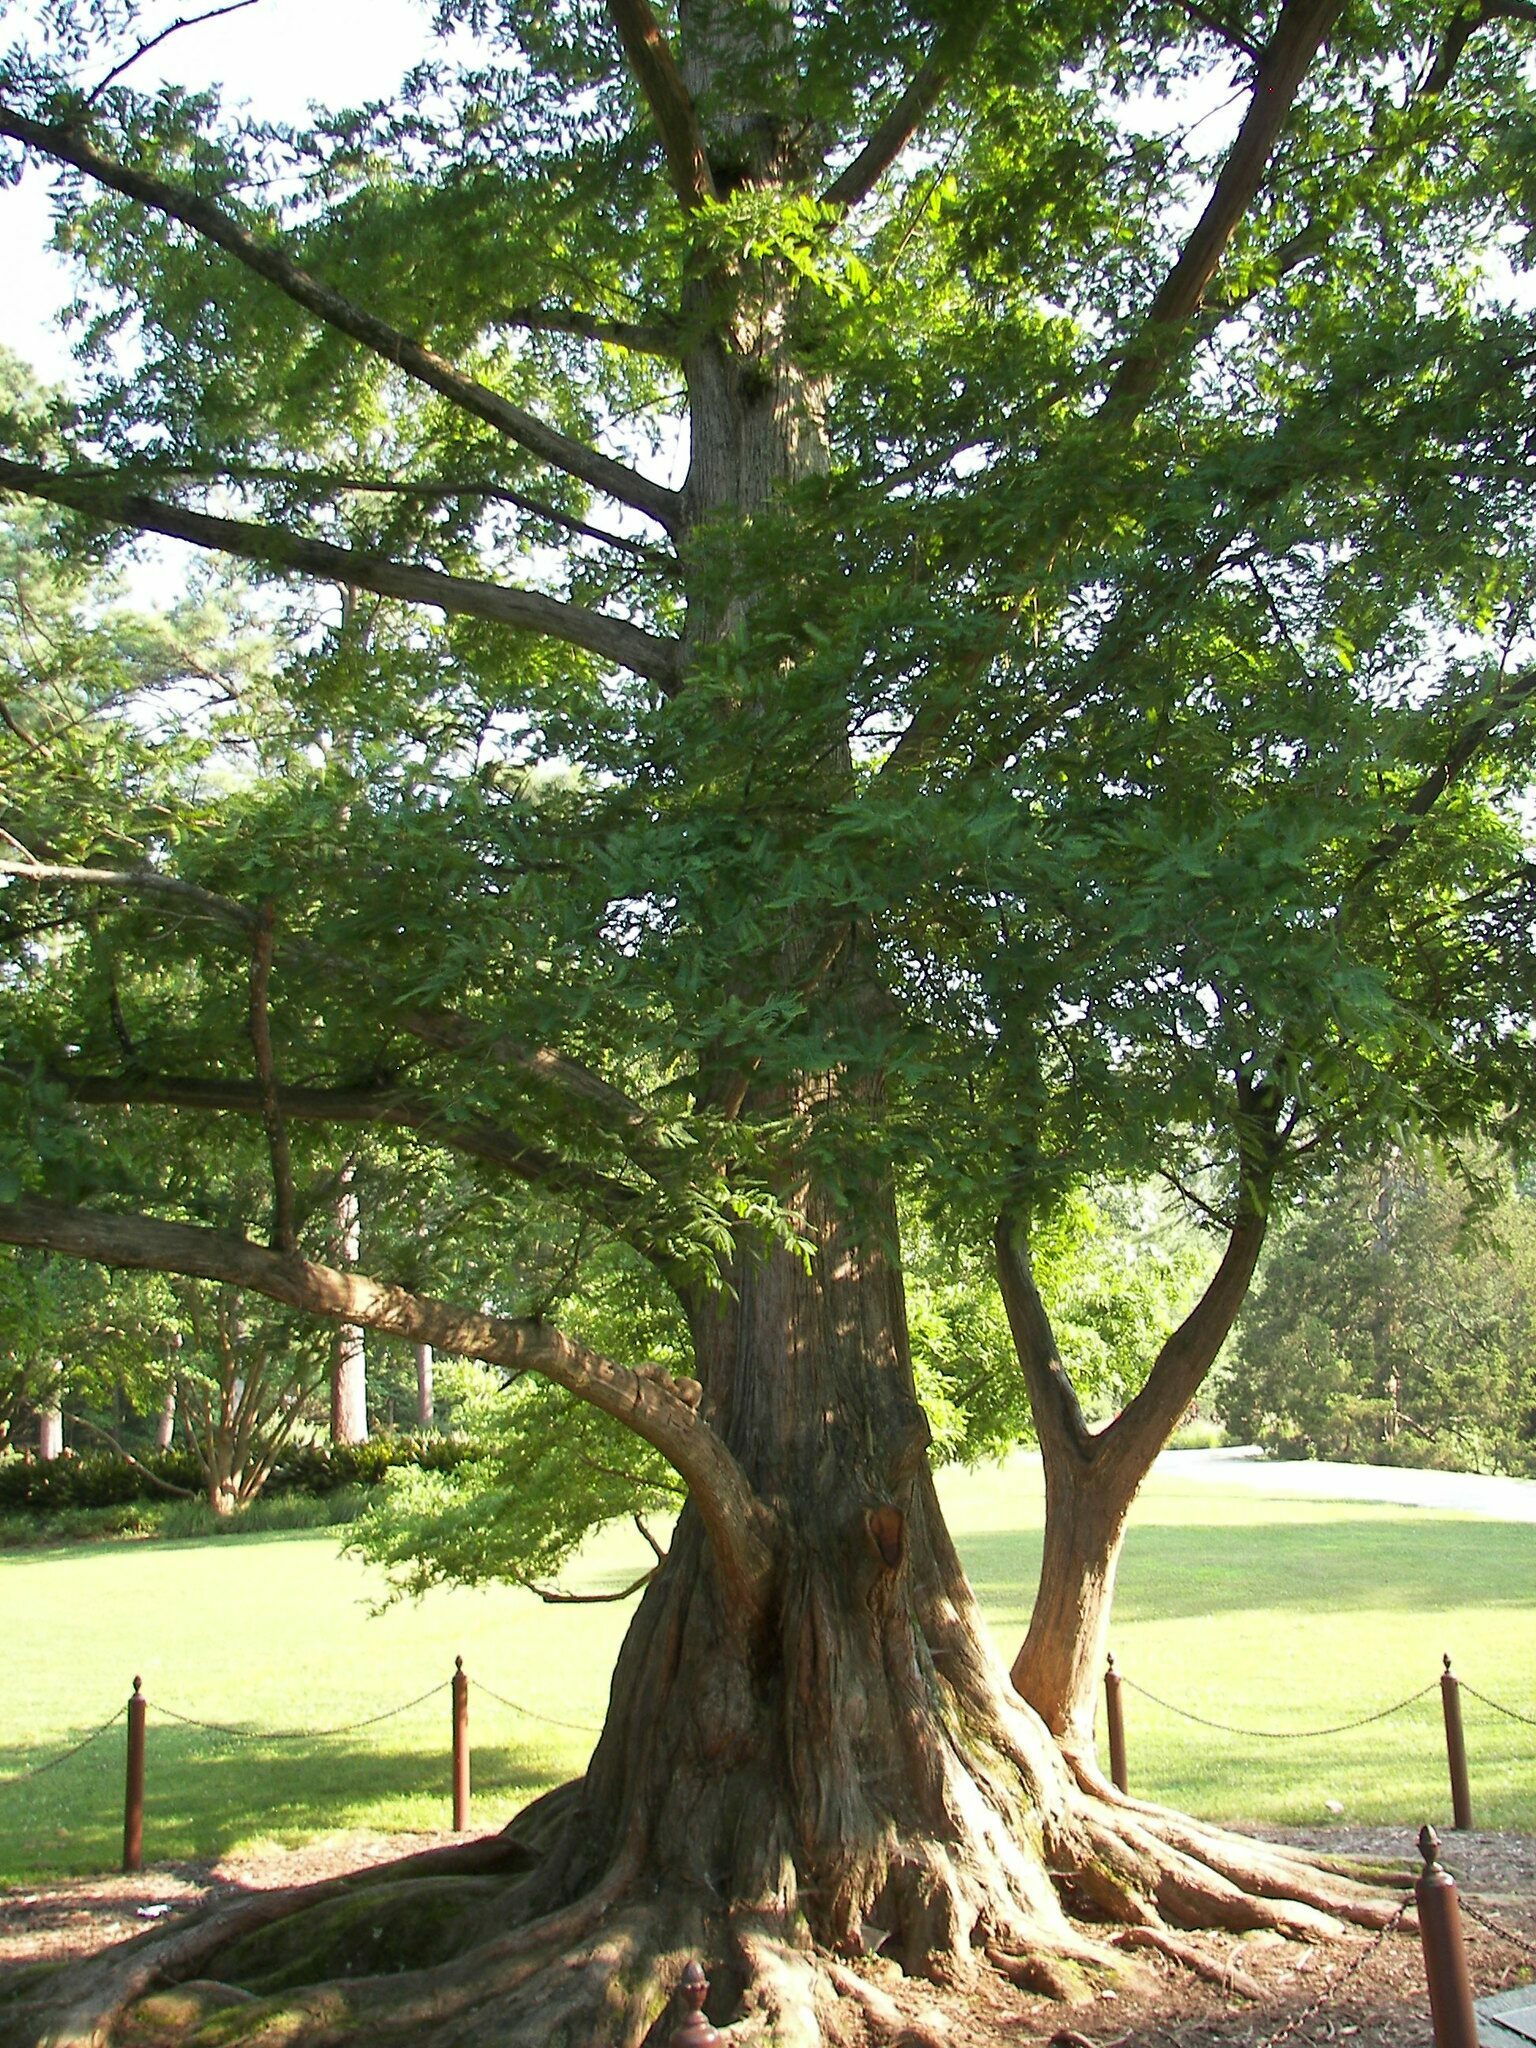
1467	1493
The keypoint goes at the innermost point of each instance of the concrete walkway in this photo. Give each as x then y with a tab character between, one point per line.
1465	1493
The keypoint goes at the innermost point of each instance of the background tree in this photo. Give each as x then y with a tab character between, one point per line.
1067	722
1395	1323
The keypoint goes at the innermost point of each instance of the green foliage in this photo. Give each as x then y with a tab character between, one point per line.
100	1479
1396	1322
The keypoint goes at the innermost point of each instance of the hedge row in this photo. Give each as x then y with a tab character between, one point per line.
103	1480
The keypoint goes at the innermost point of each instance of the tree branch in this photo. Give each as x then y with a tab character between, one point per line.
1298	36
638	336
154	42
671	104
447	1032
739	1526
66	144
1052	1397
401	1109
893	134
101	496
1461	32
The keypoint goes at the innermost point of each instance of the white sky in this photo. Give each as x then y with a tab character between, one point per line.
277	56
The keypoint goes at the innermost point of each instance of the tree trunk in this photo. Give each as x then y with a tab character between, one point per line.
1092	1477
424	1400
50	1430
165	1422
349	1359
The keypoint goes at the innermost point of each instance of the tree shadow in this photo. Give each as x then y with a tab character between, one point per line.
206	1794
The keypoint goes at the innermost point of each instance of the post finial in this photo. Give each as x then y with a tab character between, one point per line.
1446	1661
695	2031
1429	1844
458	1663
137	1684
1109	1661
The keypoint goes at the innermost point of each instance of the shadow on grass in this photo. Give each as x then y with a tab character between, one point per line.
1171	1573
205	1794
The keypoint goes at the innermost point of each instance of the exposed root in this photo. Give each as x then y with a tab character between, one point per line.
1224	1974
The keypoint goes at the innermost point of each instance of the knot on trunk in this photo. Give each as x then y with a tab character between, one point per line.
888	1532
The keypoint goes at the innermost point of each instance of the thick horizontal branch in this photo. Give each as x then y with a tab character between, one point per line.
738	1524
104	497
638	337
442	1029
893	134
671	104
70	145
399	1108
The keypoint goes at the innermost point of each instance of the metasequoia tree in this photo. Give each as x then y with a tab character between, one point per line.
1087	618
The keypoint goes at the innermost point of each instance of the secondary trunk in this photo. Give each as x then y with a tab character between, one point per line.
349	1359
425	1407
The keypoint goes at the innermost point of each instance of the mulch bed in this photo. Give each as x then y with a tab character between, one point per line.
1366	1992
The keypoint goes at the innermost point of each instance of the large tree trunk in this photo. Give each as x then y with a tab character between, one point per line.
798	1769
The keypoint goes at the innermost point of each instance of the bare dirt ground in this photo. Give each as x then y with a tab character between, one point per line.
1365	1991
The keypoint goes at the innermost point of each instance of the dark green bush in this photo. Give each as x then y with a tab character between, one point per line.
102	1480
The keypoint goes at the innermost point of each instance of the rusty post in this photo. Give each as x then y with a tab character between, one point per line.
133	1797
1114	1714
1455	1747
1445	1955
460	1747
694	2031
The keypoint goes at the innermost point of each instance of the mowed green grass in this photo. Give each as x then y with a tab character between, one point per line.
1263	1613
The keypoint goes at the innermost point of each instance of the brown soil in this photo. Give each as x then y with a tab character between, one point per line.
1366	1990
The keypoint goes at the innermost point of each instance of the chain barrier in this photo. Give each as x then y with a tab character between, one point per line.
575	1727
38	1770
1281	1734
1497	1706
1336	1986
1492	1926
298	1734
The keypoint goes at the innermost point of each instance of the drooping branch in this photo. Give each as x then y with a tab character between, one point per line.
677	123
896	130
1298	36
284	1237
66	144
101	496
739	1525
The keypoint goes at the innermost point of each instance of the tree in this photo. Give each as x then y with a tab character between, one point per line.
1394	1323
1065	722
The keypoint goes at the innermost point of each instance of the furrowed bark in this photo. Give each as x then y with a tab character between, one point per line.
101	496
738	1525
205	217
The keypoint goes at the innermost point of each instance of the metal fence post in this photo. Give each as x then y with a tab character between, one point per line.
1455	1747
1114	1714
694	2031
133	1797
1445	1955
460	1747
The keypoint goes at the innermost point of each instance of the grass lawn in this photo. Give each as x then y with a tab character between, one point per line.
1270	1614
